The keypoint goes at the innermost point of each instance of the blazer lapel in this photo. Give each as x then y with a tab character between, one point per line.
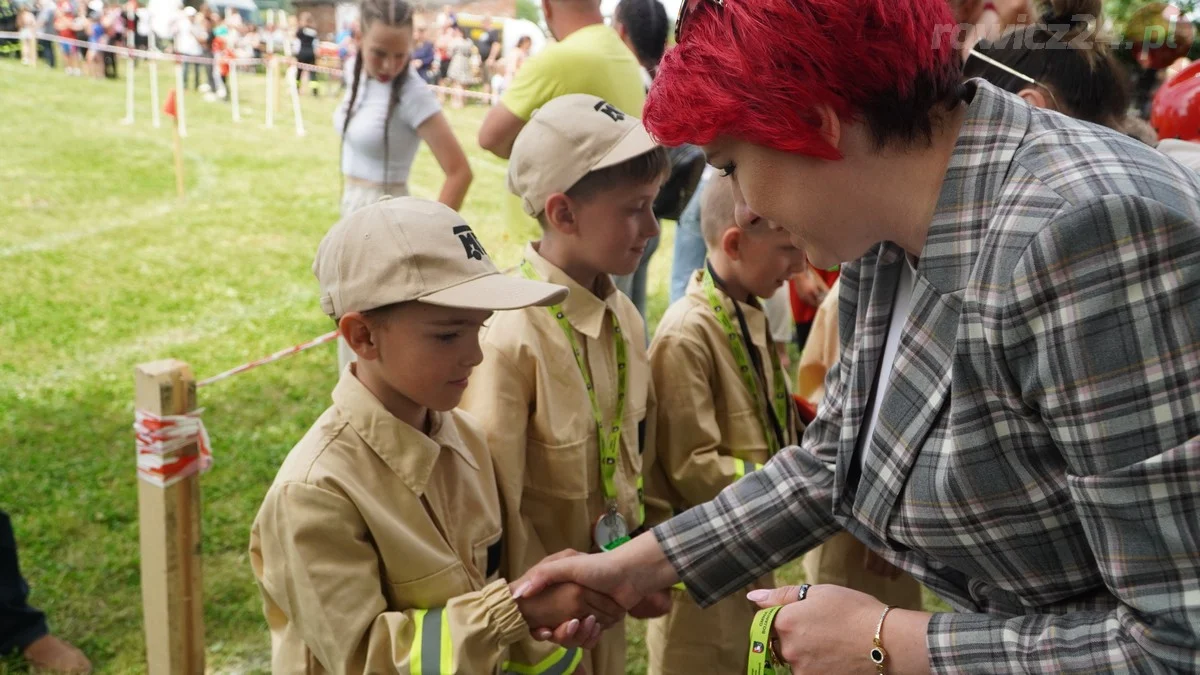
912	406
877	289
919	392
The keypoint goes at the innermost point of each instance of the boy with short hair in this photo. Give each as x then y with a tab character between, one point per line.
724	410
565	394
378	547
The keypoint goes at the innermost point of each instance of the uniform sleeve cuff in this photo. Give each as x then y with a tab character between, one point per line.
502	610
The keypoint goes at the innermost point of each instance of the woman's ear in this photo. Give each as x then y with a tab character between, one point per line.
357	331
1034	97
560	215
831	125
731	242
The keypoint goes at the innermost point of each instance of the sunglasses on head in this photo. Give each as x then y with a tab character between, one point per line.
976	54
687	8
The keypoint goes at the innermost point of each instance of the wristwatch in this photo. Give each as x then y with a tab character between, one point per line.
878	654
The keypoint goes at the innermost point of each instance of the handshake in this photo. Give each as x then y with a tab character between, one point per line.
571	598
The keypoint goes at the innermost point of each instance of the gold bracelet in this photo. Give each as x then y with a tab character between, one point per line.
878	655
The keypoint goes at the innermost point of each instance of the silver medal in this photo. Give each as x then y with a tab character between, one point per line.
610	528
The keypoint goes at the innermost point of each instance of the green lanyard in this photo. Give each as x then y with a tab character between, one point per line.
761	659
747	371
610	434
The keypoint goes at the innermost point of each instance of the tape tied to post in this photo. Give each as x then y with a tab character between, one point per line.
161	441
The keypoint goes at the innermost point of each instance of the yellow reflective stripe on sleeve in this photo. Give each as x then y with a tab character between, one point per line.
432	652
559	662
414	654
447	657
741	467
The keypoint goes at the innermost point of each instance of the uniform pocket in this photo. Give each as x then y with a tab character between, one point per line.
744	436
431	590
557	470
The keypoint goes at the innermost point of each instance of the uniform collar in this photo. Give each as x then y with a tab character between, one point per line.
583	308
756	319
406	450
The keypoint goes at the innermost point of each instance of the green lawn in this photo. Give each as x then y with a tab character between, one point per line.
105	268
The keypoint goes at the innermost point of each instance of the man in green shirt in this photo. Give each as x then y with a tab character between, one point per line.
588	58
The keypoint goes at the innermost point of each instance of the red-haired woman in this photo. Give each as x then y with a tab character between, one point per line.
1015	419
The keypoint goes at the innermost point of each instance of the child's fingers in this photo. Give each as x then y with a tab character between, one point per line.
605	609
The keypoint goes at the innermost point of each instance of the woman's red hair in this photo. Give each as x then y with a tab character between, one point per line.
755	69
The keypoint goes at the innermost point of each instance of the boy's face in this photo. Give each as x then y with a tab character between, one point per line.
426	353
766	258
615	225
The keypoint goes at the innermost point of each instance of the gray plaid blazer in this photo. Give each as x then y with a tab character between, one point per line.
1037	457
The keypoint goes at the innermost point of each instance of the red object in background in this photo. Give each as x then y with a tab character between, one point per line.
1159	34
808	411
802	312
169	106
1175	112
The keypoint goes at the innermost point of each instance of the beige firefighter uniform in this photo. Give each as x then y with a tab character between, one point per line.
709	434
530	397
378	550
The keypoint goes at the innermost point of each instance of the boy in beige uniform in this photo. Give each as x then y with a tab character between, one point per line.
565	394
724	410
378	547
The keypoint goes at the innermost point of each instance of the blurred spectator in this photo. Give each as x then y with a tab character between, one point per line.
307	38
461	74
423	57
489	46
45	24
23	627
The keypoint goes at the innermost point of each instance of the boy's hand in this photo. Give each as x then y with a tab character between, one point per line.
559	604
810	287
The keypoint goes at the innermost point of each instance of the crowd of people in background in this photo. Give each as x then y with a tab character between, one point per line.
445	53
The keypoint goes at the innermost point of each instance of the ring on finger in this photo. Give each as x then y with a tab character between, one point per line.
802	593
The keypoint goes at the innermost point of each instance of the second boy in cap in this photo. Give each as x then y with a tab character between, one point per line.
565	393
378	548
725	409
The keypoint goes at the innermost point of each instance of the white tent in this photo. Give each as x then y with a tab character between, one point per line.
515	29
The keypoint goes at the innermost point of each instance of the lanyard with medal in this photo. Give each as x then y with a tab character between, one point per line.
610	530
773	418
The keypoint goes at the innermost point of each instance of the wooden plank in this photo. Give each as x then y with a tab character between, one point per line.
169	526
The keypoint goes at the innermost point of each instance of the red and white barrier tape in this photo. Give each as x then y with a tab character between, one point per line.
281	354
137	53
159	442
180	58
319	69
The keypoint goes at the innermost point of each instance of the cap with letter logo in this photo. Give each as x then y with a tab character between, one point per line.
406	249
567	139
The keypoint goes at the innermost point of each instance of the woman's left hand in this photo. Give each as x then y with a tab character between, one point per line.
830	631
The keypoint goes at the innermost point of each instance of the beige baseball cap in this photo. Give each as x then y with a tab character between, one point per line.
565	140
398	250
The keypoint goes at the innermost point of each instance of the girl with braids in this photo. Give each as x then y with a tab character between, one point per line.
386	114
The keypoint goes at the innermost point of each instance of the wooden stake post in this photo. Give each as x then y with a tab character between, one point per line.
169	526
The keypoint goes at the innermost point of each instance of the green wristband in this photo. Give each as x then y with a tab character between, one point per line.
761	662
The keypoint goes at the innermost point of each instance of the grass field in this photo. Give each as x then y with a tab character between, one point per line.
105	268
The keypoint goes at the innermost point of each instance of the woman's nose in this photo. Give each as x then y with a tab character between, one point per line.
743	216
